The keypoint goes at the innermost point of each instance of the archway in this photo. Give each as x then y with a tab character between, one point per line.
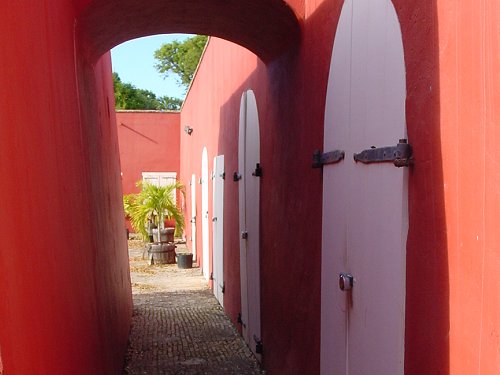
265	27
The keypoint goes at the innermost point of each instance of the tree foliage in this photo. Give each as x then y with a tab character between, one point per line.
127	96
180	58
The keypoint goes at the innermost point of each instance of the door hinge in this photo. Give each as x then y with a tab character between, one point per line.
223	288
259	348
258	171
223	175
244	235
331	157
236	176
239	320
400	155
211	275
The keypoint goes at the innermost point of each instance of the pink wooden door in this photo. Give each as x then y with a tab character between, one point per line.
365	220
193	216
218	229
204	212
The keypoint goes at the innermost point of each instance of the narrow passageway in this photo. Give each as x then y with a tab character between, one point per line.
178	327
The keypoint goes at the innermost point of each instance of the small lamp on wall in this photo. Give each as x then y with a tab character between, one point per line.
188	129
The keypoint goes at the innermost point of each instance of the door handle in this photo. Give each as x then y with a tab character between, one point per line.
346	282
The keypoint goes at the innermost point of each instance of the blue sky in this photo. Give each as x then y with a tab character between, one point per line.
134	63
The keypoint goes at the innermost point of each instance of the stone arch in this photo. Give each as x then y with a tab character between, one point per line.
266	27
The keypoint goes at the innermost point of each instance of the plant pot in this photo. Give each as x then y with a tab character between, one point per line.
162	253
169	223
185	260
166	235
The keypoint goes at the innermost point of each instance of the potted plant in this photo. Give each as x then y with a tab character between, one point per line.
148	209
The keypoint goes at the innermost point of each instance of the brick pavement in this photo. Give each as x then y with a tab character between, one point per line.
178	327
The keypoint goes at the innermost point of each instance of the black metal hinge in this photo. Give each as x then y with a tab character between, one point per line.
400	155
239	319
223	289
331	157
258	171
259	348
211	275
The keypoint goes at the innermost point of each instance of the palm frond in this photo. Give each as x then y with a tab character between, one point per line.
153	203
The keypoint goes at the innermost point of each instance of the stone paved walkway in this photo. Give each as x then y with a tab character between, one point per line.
178	327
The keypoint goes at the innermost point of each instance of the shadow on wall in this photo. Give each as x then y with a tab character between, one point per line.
291	100
427	291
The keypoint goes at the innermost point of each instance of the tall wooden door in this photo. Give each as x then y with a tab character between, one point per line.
193	216
365	219
249	202
218	228
204	212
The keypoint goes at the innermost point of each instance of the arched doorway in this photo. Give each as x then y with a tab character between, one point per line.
265	27
249	210
365	214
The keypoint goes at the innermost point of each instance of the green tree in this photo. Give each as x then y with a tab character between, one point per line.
127	96
180	58
169	103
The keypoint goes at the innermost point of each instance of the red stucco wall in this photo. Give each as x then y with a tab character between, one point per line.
289	251
211	111
64	274
452	289
149	142
453	312
64	282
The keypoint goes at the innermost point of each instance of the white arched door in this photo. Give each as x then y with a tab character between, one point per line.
249	202
204	213
365	219
193	215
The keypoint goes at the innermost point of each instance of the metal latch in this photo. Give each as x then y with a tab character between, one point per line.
331	157
214	219
259	348
236	176
258	171
400	154
346	281
244	235
240	320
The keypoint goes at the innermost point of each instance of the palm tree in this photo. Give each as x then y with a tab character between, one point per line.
155	203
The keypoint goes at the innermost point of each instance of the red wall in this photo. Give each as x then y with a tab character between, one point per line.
64	276
453	312
453	291
210	104
149	142
64	279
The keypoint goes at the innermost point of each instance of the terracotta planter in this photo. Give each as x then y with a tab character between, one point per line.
169	223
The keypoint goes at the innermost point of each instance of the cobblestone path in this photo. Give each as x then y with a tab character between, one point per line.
178	327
